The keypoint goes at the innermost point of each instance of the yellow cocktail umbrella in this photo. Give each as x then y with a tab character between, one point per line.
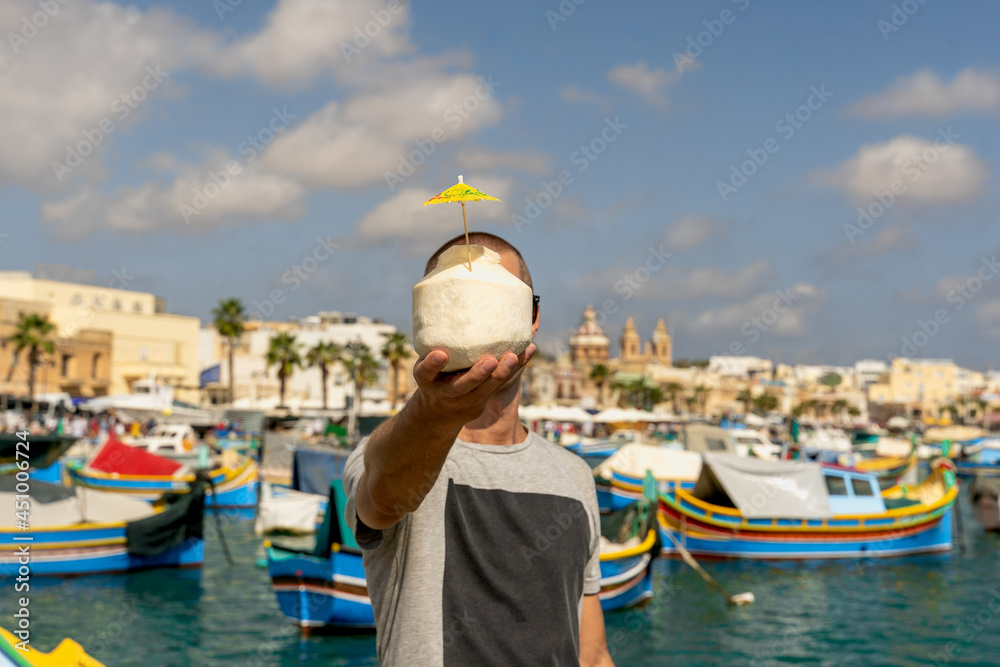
461	193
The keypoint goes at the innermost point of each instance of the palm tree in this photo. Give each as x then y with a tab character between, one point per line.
283	352
853	411
701	393
34	334
230	318
839	406
746	398
690	401
764	403
322	356
600	374
363	369
395	350
673	391
637	393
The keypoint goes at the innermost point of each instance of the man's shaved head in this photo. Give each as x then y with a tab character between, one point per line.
487	240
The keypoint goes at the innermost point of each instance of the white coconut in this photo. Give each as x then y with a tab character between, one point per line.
471	314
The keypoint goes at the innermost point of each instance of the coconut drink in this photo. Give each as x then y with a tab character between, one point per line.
471	306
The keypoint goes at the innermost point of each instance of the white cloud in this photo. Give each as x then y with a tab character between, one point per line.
304	38
573	95
526	159
786	319
924	94
71	75
649	83
403	216
925	172
690	231
989	312
353	144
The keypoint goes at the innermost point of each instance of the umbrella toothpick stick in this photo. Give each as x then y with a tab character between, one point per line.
461	192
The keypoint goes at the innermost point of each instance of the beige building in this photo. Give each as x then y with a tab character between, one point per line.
923	387
144	339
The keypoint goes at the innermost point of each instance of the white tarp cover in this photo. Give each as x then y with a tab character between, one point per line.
80	505
288	510
892	447
635	459
765	489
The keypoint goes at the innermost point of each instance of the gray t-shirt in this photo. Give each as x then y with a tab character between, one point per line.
492	567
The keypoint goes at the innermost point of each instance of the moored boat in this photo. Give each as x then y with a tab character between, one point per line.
68	653
619	479
120	468
984	494
77	531
743	508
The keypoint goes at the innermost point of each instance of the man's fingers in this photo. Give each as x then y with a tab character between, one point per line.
430	366
508	366
472	378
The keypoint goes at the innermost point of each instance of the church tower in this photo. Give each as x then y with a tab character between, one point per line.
661	344
630	345
589	345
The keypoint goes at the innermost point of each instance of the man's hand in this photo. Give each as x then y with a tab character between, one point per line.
455	399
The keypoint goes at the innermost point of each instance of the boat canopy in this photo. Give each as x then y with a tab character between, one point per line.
117	457
635	459
53	505
764	489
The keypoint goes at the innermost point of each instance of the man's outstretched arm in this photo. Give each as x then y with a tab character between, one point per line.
593	640
404	456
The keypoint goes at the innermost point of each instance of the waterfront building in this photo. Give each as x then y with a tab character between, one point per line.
107	337
256	385
923	388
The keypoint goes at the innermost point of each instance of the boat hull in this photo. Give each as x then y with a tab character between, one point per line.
714	542
88	549
317	593
234	488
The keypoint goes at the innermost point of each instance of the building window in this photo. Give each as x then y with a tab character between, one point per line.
117	305
64	370
76	300
137	307
94	364
98	302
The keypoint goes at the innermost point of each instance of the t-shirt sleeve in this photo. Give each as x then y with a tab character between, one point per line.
368	538
592	575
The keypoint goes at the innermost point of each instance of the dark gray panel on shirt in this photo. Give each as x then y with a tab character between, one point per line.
513	577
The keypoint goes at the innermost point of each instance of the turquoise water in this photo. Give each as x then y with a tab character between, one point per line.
895	612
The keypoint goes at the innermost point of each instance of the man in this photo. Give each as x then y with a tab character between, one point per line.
481	540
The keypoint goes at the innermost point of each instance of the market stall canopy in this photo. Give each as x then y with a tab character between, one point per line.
764	489
557	413
631	415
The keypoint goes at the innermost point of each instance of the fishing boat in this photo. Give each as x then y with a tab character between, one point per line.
40	450
980	458
120	468
76	531
67	654
890	459
619	479
984	494
325	587
746	508
285	510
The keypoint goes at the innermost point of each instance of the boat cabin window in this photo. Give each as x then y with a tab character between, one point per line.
715	445
862	487
836	486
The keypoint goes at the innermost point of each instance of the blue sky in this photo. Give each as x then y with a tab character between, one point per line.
885	80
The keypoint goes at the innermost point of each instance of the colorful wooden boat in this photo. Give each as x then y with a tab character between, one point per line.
78	531
326	587
889	461
980	458
742	508
619	479
120	468
67	654
984	494
41	450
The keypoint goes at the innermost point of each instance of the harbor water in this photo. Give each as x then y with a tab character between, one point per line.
927	610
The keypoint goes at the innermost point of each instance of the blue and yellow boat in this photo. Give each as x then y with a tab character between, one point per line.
75	531
120	468
745	508
13	653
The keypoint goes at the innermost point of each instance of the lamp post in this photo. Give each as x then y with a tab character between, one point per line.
354	349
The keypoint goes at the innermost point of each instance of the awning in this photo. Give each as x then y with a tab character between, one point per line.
764	489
